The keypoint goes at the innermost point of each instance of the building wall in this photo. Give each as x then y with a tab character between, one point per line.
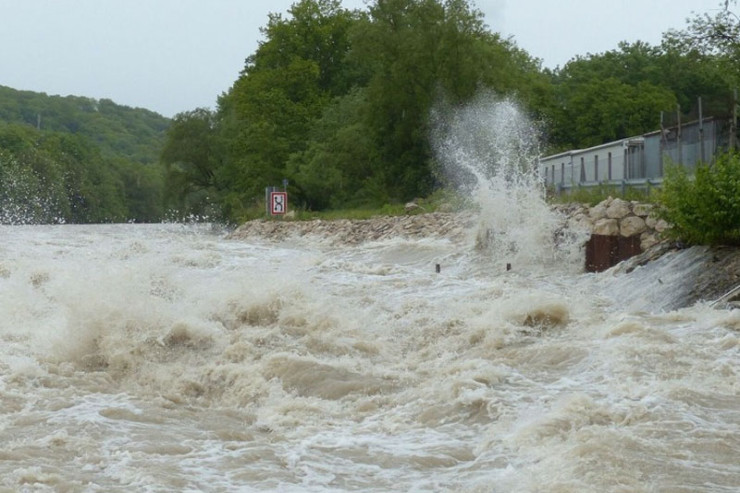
636	158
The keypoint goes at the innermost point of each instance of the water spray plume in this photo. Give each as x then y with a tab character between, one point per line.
488	150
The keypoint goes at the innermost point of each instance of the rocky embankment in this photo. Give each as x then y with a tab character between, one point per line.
617	217
352	232
701	273
610	217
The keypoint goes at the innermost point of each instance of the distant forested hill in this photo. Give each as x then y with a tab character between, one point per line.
119	131
76	159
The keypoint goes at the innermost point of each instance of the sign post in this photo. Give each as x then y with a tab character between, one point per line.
278	203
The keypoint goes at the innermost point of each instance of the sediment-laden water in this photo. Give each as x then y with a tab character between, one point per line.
169	358
172	358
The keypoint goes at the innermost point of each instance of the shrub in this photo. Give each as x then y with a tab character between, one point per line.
704	208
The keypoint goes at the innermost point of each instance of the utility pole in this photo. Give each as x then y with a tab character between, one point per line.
663	142
701	132
733	123
678	136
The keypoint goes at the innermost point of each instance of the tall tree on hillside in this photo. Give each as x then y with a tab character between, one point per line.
421	51
338	167
282	91
339	101
190	156
90	160
622	92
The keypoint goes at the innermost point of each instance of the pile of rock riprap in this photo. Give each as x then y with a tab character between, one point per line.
610	217
617	217
351	232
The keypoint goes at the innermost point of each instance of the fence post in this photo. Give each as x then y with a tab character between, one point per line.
679	146
733	123
701	132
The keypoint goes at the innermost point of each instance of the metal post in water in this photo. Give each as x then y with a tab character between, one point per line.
438	268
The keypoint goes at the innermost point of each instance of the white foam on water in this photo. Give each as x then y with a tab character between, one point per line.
166	358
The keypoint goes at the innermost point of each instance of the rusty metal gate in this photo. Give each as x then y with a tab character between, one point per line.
604	251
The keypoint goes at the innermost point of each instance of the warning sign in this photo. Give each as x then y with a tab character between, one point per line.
278	203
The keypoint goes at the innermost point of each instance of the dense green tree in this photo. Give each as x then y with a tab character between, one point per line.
269	112
316	31
715	35
93	190
422	51
604	110
338	167
84	160
26	196
143	188
119	131
622	92
190	156
62	177
339	101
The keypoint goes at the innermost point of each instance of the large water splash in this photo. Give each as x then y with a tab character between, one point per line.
488	150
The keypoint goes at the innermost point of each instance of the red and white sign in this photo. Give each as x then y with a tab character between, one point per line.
278	203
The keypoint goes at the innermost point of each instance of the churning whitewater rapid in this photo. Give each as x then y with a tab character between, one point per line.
175	358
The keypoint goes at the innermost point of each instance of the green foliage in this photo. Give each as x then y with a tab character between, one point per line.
142	189
607	110
338	102
269	113
119	131
340	160
715	36
74	159
62	177
704	208
190	156
621	93
421	51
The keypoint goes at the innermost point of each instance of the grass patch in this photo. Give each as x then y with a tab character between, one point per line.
597	194
439	201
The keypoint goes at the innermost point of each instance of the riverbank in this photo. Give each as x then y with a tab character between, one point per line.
705	274
455	226
610	217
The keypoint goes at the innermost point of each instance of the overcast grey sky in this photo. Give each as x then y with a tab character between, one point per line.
176	55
